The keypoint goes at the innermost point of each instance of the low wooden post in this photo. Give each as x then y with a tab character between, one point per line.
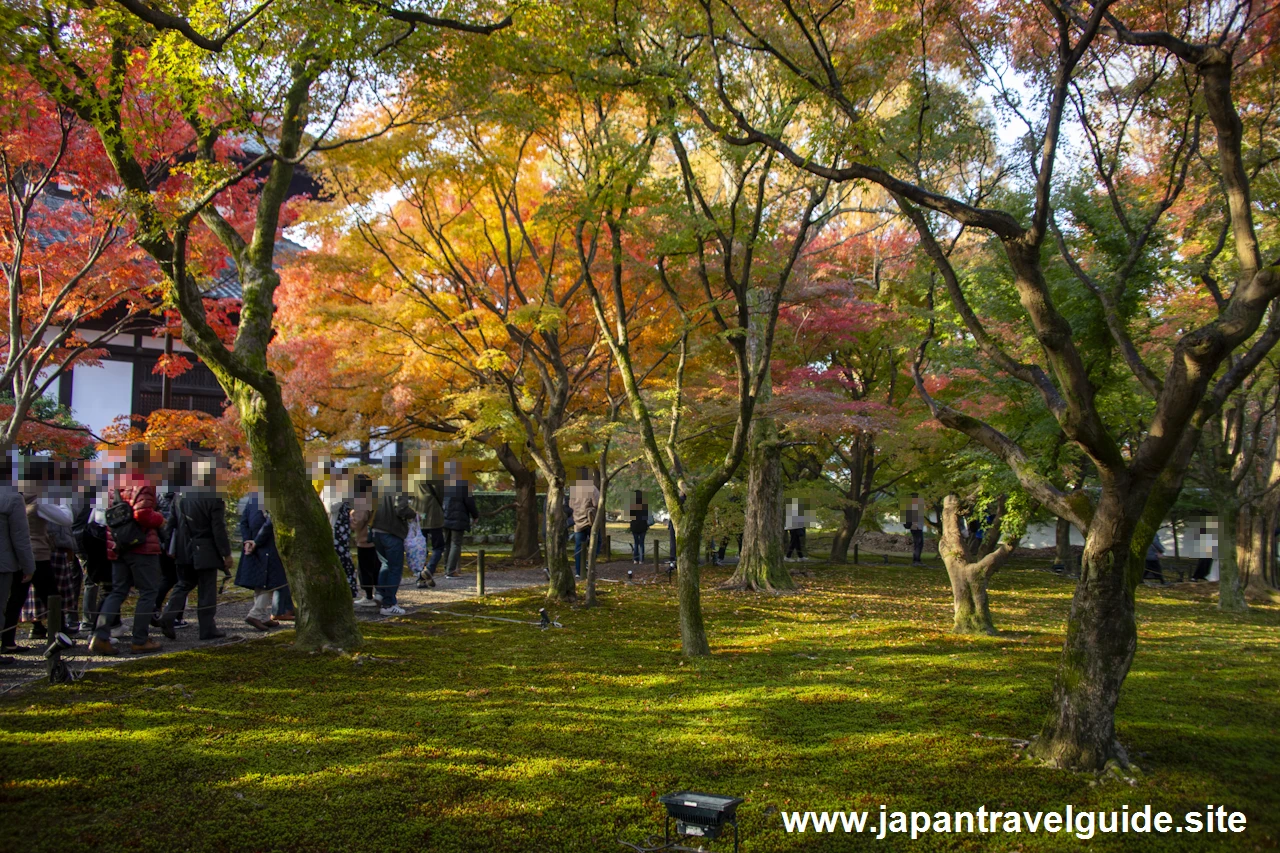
54	617
657	556
480	574
608	548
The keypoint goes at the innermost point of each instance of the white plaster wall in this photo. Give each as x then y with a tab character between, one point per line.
101	394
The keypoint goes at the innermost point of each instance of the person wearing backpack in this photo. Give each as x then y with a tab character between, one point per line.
89	533
201	549
133	546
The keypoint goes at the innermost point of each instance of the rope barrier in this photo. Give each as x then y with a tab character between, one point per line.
550	624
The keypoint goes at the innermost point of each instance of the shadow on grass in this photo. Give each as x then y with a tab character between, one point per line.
458	735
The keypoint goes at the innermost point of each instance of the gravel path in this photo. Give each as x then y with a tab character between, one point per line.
234	604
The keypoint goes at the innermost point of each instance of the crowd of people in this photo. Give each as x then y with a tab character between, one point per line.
95	531
415	516
92	531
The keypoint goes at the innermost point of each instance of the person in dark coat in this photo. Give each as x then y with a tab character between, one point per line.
261	569
431	508
174	475
459	511
201	549
639	523
90	537
17	562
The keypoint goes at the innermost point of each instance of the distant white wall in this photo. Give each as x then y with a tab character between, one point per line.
101	394
1045	535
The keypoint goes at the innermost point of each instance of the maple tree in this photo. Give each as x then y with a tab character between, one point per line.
68	266
841	383
469	278
173	115
722	259
1062	52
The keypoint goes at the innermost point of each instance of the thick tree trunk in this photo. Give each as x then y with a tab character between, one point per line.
1258	577
693	634
524	544
1230	589
969	598
1062	556
1102	637
760	565
1269	568
322	599
1260	582
851	520
860	461
597	535
561	587
969	579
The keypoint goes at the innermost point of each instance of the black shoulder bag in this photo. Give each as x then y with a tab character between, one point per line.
124	529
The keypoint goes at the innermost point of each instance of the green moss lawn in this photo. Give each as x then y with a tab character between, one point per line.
450	734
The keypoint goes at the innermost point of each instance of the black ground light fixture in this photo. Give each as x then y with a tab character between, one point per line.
697	815
58	671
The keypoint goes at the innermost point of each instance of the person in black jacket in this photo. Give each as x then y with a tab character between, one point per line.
459	511
639	522
174	475
201	548
90	536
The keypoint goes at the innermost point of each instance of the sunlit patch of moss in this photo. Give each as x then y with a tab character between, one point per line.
449	734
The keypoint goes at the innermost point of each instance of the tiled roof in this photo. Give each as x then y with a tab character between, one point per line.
226	284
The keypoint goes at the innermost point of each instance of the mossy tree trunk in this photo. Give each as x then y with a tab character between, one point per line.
1062	541
969	578
322	599
560	588
1230	589
760	566
1257	573
859	459
524	543
693	632
604	476
1102	637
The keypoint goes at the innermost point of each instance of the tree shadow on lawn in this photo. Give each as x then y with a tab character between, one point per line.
490	736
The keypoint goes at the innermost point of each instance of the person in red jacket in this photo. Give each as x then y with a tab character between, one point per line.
137	567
